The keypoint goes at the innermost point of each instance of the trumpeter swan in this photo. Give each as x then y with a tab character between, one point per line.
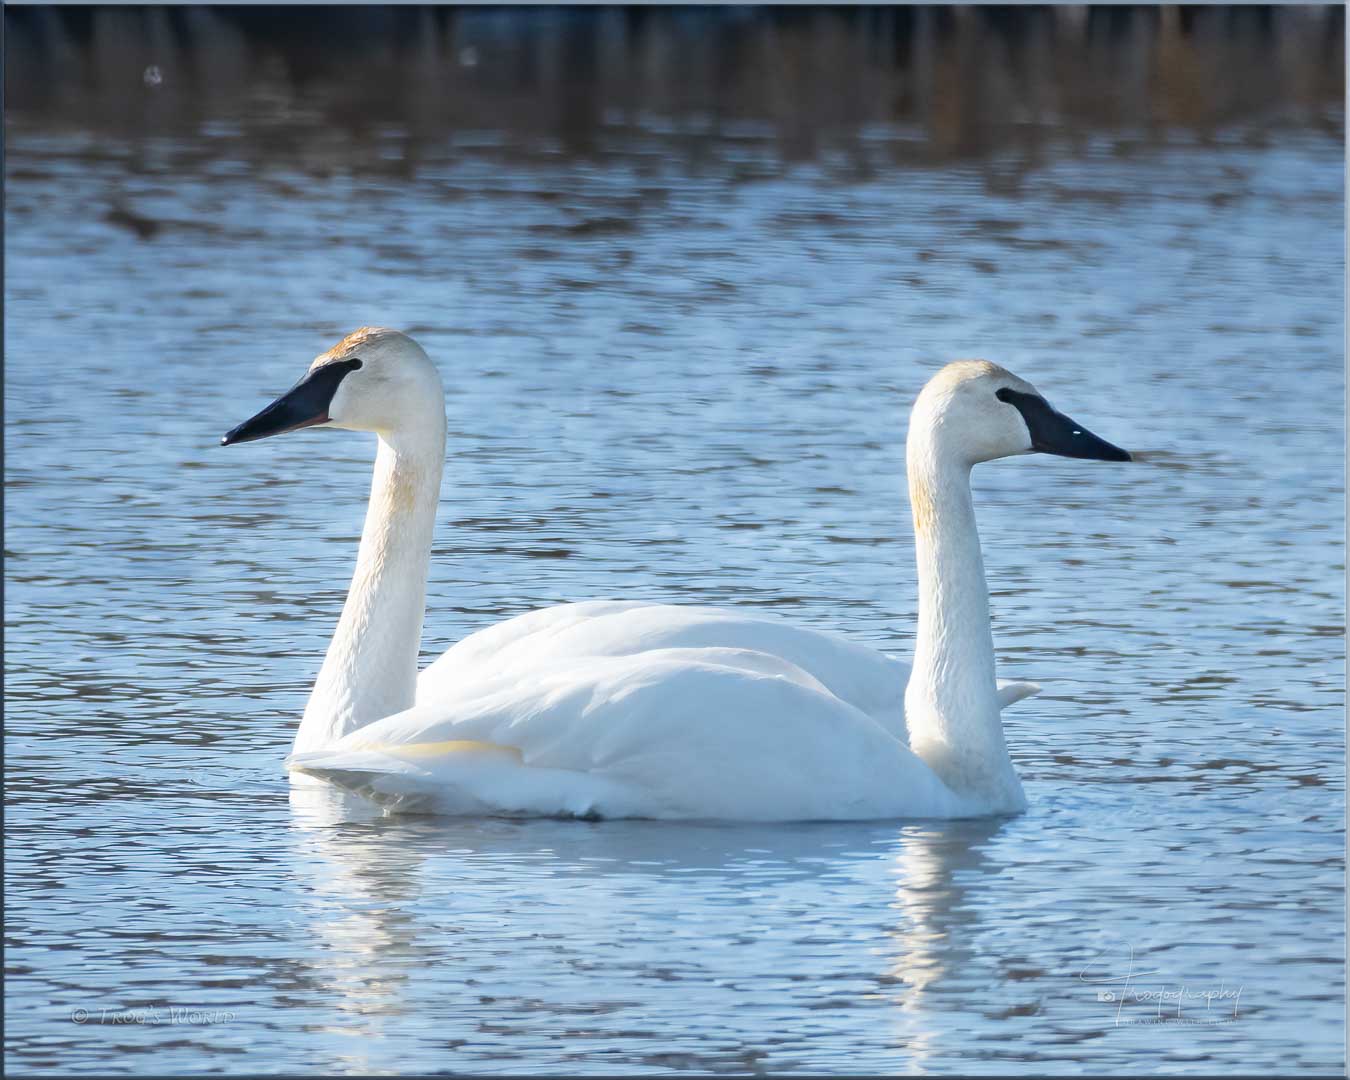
634	709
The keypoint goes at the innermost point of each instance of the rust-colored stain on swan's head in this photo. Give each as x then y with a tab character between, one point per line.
353	341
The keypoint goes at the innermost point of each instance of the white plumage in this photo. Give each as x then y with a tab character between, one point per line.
634	709
623	708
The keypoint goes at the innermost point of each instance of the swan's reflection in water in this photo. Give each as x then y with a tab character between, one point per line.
362	886
940	869
483	934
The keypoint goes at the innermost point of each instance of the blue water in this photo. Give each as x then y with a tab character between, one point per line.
688	384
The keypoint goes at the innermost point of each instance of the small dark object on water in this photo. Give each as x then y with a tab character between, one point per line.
145	228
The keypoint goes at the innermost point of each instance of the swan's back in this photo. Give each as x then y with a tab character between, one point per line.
521	647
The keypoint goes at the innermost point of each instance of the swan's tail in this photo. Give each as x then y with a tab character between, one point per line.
1009	692
384	780
474	780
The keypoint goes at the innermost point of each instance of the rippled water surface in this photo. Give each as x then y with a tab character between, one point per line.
685	383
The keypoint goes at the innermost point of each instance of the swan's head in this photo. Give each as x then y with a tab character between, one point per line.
374	379
977	411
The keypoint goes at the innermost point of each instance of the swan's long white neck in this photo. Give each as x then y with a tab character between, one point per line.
370	670
951	703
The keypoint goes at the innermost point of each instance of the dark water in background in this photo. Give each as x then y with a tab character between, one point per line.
679	345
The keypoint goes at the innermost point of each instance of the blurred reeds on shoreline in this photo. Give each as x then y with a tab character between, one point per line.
939	83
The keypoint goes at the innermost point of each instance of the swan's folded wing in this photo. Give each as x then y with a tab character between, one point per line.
861	676
534	634
715	733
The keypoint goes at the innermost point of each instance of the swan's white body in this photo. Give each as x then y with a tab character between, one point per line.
632	709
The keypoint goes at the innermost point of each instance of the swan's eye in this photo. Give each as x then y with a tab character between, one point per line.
354	364
1020	401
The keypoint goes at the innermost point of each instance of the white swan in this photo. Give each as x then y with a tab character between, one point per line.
632	709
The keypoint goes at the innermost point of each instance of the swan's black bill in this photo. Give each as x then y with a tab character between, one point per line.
303	405
1054	433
